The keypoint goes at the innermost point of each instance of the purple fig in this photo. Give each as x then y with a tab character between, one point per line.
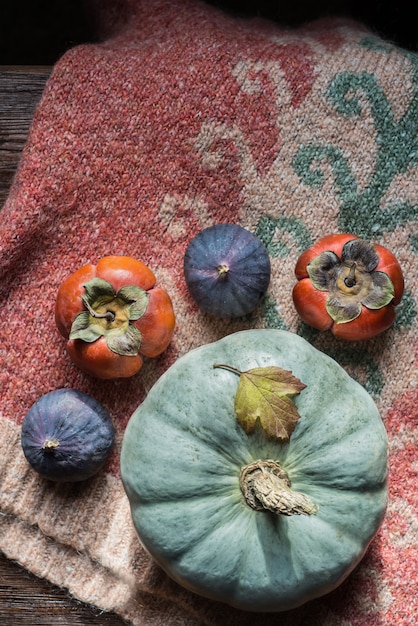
227	270
67	435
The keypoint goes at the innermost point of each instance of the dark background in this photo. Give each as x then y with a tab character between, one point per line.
38	32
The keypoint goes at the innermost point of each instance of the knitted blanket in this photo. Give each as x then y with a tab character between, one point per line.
184	116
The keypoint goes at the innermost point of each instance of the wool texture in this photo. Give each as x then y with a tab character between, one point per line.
182	117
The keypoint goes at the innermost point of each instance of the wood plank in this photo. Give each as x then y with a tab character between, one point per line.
20	91
26	600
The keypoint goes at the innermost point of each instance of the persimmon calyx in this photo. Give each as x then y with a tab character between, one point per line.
110	314
351	281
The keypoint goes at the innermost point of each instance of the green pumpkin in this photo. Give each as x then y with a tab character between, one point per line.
185	462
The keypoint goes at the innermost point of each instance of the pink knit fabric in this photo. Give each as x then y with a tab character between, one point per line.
184	117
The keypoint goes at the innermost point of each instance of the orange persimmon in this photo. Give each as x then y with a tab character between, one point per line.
112	315
348	285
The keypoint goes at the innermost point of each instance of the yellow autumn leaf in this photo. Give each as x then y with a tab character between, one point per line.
264	395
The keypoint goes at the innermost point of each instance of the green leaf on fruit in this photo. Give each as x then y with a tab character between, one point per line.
125	342
110	315
264	396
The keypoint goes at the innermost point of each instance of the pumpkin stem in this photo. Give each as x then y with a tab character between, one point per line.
266	487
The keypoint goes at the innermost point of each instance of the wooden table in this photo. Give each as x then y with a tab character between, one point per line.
24	599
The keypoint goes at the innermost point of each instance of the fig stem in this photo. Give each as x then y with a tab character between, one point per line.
50	445
223	270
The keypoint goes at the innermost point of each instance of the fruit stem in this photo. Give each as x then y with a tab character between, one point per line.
109	315
266	487
50	445
350	279
223	271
